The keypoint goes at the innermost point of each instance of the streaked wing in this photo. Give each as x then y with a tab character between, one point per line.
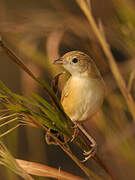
66	90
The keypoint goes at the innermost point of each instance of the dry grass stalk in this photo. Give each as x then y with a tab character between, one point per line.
45	171
7	160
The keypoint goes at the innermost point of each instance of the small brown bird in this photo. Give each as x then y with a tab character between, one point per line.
83	93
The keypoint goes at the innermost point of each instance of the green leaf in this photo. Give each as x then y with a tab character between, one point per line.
44	120
3	96
2	86
29	101
44	103
17	108
50	92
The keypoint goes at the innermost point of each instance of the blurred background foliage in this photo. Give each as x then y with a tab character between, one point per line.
41	31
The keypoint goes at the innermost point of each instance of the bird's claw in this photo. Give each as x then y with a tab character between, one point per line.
90	153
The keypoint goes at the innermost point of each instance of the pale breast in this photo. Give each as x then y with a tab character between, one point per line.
82	97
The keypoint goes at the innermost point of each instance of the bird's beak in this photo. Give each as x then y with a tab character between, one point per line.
58	61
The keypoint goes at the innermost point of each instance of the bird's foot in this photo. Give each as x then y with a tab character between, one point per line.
50	140
90	153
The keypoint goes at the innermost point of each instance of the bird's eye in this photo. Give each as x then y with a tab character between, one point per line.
74	60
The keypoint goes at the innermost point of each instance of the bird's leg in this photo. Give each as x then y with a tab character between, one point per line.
93	145
55	82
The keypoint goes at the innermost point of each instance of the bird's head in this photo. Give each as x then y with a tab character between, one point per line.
77	63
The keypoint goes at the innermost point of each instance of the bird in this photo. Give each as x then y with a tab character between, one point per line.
84	91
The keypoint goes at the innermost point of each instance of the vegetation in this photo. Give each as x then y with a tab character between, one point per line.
110	41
